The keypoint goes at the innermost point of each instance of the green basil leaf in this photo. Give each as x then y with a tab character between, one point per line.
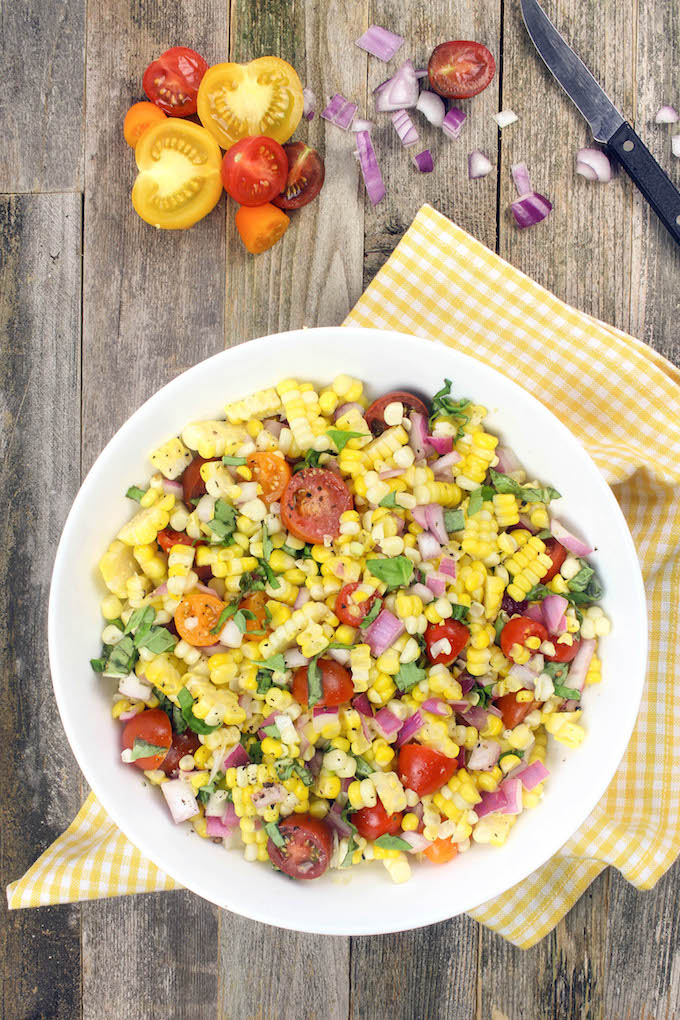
264	681
498	627
158	640
310	459
586	582
275	663
444	404
272	731
251	581
395	571
314	684
372	614
392	843
341	438
352	847
569	693
143	749
234	461
557	671
205	791
363	768
390	501
454	520
475	503
141	618
504	483
460	613
226	613
408	676
134	492
272	579
122	658
287	768
272	830
485	694
241	617
98	665
186	703
518	754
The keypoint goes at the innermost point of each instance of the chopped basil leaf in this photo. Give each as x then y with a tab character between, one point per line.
454	520
576	598
392	843
157	640
251	581
288	768
290	551
408	676
363	768
99	665
390	501
205	791
310	459
241	617
444	404
587	583
267	544
234	461
557	671
117	623
546	533
179	723
226	613
538	593
504	483
272	579
314	685
186	703
475	503
272	731
253	747
371	614
223	523
134	492
352	847
272	830
276	663
518	754
122	658
140	620
485	695
498	627
341	438
264	681
143	749
395	571
569	693
460	613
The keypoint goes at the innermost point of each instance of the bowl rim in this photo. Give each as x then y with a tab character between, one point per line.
156	854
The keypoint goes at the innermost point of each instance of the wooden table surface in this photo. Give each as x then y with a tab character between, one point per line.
98	310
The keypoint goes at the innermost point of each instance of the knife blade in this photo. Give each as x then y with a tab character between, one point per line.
606	123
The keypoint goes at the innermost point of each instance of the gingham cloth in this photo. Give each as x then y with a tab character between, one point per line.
442	284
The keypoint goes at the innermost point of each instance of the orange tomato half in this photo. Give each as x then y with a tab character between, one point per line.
441	851
138	119
196	617
272	472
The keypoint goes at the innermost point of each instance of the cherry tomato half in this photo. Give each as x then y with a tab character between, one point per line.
336	684
460	69
154	727
196	616
563	652
423	769
271	471
171	81
557	554
518	630
254	170
306	173
372	822
312	504
193	484
139	117
452	631
441	851
374	414
167	538
182	743
306	852
513	711
256	604
347	610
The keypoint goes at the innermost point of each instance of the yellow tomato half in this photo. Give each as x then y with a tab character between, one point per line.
179	178
263	97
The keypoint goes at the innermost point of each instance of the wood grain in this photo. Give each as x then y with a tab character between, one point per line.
42	54
39	475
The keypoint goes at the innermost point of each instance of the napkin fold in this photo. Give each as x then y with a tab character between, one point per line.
442	284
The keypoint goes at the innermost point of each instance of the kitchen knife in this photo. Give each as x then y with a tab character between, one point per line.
606	123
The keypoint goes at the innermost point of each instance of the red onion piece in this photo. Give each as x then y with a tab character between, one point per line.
322	716
380	43
505	118
303	596
405	128
125	716
213	649
581	663
595	161
448	566
520	175
383	632
434	514
531	209
215	827
554	608
363	705
309	107
432	107
269	795
235	757
512	790
421	72
436	583
530	775
409	728
524	675
429	548
453	122
571	542
490	803
436	706
337	822
180	799
484	755
346	408
534	613
346	116
444	465
416	841
174	488
423	593
479	165
333	109
507	460
400	92
392	473
375	187
473	716
294	658
441	444
162	589
418	434
273	426
386	723
667	115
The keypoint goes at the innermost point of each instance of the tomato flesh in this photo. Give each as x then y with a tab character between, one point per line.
347	610
513	711
306	174
254	170
313	503
460	69
182	743
171	81
167	538
452	631
372	822
192	483
441	851
423	769
375	413
336	684
516	632
272	472
557	554
154	727
306	852
196	617
563	652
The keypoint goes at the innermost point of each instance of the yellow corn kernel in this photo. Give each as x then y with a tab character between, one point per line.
214	438
410	822
594	674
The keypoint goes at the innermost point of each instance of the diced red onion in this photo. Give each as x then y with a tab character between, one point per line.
269	795
667	115
452	124
527	525
303	596
392	473
423	593
493	710
405	128
512	791
479	165
581	664
132	686
375	187
338	823
363	705
593	164
206	589
569	541
440	444
173	488
441	647
216	827
130	714
520	175
490	803
534	613
273	426
213	649
218	806
322	716
235	757
344	409
428	547
248	492
162	589
434	512
436	706
474	716
358	124
400	92
400	523
387	723
341	655
484	755
444	465
554	608
432	107
380	43
675	145
507	460
530	210
205	508
309	108
505	118
523	674
230	635
346	116
466	682
294	658
179	796
299	725
333	109
421	72
409	728
315	762
418	434
436	583
448	566
567	706
531	775
383	632
416	841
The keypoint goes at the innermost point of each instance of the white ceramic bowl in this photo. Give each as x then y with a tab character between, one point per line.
366	902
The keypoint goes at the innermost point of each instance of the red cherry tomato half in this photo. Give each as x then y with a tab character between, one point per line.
452	631
336	683
167	538
254	170
193	484
306	173
563	653
518	630
312	504
513	711
182	743
372	822
423	769
375	413
347	610
460	69
154	727
171	81
306	851
557	554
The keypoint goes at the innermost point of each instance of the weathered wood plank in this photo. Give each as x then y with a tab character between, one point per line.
471	204
42	52
40	449
153	305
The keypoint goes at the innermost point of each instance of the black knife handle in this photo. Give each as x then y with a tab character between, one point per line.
645	172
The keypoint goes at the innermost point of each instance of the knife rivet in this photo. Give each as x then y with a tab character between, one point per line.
677	220
628	146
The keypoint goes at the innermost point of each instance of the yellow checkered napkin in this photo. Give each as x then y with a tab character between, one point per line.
441	283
